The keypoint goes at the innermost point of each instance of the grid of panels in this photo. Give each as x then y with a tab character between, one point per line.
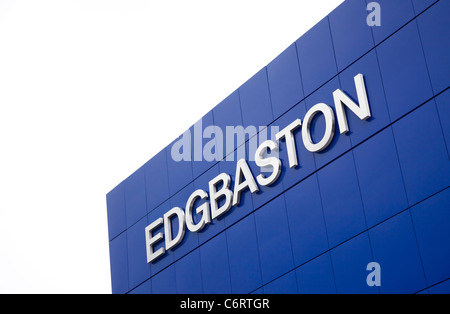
378	194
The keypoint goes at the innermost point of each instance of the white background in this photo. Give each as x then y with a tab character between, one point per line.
92	89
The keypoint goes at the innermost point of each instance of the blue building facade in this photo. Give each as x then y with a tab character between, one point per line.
379	193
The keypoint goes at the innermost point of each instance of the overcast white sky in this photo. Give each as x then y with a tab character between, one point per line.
92	89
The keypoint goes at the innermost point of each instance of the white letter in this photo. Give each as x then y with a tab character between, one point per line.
216	195
151	240
204	209
242	170
274	162
341	100
176	211
329	128
288	134
374	278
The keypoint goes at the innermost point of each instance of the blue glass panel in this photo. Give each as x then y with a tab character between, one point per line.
188	274
135	197
351	36
273	239
215	266
117	221
306	221
119	264
380	177
422	153
421	5
243	256
164	282
179	171
138	269
404	72
434	29
316	56
341	200
202	160
394	14
443	105
316	276
431	223
145	288
228	113
442	288
283	285
395	249
157	180
349	264
255	100
285	82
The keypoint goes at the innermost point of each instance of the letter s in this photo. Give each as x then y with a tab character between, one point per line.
274	162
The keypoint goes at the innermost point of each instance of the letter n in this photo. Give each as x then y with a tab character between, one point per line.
341	100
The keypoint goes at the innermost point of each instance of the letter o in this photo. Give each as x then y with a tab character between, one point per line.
330	126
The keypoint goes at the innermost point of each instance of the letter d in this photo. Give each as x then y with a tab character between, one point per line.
172	242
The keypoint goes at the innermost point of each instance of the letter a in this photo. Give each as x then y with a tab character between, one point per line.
181	149
374	17
374	277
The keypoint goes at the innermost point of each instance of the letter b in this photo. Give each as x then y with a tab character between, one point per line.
215	195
